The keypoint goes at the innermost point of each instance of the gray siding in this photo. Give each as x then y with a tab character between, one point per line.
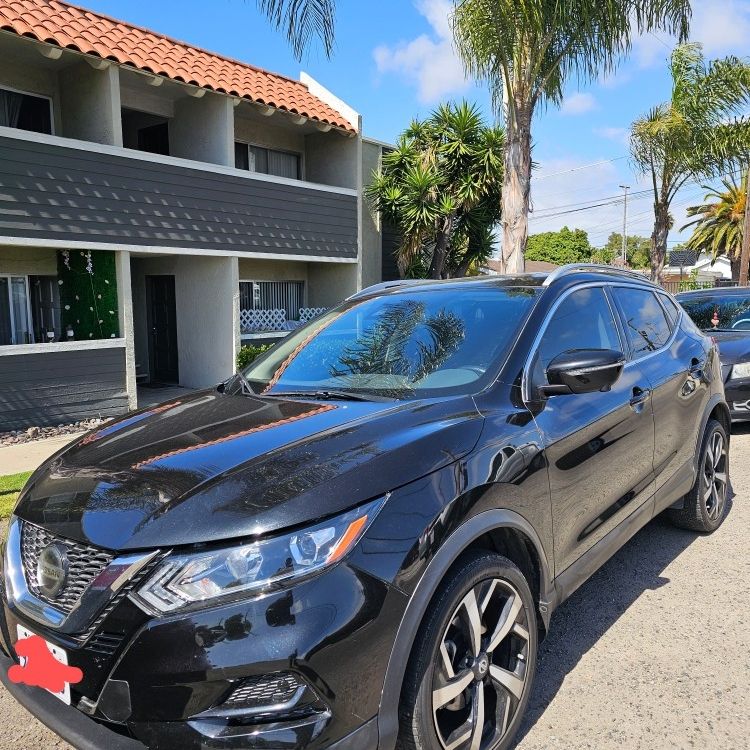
50	388
56	192
391	242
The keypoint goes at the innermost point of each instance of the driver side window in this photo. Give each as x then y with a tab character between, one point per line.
583	320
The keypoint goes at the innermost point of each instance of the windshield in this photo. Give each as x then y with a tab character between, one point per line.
404	345
719	312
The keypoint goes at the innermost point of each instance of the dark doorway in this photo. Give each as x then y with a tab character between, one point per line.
154	139
162	329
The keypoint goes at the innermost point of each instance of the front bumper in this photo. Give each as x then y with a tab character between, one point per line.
167	684
738	398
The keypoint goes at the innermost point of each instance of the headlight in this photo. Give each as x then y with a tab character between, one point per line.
182	580
741	370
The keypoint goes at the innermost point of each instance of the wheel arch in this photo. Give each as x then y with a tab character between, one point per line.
500	530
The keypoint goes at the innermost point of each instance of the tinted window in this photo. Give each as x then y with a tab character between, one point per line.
645	322
717	311
672	309
399	345
25	111
583	320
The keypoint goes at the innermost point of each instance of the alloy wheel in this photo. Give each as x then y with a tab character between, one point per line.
715	476
481	667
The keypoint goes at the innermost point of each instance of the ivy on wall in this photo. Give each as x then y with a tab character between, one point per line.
88	293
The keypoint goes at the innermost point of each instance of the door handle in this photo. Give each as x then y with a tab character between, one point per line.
639	396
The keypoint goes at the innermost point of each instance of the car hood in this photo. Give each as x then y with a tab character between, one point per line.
734	346
215	466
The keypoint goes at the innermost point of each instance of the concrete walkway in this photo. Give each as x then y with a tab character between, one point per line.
27	456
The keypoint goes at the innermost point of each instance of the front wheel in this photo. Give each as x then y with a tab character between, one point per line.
706	503
471	669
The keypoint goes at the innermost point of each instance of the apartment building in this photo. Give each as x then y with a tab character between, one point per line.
159	204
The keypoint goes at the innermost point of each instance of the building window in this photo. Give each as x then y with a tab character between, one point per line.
25	111
267	161
15	311
273	295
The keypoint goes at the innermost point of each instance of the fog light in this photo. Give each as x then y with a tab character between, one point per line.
277	692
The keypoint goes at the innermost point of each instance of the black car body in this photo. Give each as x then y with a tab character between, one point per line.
556	478
731	330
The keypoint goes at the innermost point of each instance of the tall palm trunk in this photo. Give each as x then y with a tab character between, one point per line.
659	239
516	186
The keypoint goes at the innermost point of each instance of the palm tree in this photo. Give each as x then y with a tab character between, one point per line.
719	223
440	187
302	20
527	50
699	133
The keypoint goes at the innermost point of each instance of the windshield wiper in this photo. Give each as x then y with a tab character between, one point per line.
328	395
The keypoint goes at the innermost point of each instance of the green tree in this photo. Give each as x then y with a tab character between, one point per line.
564	246
636	249
700	132
527	51
301	21
719	223
440	187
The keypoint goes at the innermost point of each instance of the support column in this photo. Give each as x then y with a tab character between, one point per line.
203	129
125	315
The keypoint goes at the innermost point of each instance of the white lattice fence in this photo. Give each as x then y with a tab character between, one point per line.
306	314
262	320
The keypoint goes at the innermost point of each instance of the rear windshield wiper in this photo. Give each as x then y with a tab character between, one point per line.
328	395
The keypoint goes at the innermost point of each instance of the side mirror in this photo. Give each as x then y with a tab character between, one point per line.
583	371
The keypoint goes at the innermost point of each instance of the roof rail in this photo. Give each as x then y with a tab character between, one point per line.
595	268
383	285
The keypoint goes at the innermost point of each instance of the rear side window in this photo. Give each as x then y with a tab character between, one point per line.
672	309
645	321
583	320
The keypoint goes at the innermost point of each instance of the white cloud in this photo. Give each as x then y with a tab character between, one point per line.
618	135
578	104
430	60
722	26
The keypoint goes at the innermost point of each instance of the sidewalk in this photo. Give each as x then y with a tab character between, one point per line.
27	456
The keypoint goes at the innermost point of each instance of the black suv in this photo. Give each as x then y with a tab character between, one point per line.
724	314
358	542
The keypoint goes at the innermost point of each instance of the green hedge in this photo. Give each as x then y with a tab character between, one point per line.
88	293
248	353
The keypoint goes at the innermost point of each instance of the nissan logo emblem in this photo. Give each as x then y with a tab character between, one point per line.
52	570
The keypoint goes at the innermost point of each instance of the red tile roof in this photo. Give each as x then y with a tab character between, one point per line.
79	29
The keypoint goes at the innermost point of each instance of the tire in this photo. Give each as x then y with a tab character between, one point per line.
705	505
432	714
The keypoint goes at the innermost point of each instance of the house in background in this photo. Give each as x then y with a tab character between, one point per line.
687	265
156	200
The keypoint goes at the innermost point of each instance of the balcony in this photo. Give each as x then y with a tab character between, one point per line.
59	192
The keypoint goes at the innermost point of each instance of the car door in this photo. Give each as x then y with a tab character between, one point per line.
676	367
599	446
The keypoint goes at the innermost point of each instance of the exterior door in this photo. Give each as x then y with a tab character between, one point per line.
599	446
162	322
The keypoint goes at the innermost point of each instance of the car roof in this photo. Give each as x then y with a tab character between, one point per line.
715	291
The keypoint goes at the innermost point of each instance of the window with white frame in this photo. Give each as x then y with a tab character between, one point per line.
267	161
15	311
25	111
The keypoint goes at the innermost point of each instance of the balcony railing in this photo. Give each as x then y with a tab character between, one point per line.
58	191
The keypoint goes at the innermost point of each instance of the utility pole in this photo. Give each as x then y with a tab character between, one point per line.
745	256
625	224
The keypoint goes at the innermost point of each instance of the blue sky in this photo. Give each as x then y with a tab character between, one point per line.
394	61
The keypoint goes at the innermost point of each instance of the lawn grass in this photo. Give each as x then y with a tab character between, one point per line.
10	486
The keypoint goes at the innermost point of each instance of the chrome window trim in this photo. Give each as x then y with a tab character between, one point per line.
603	284
93	600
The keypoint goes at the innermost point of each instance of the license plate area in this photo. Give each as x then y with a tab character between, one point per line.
58	653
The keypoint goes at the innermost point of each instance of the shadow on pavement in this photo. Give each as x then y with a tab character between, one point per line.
579	623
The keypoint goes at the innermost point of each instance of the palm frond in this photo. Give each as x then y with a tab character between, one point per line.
302	21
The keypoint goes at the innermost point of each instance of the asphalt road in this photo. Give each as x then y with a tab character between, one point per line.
652	652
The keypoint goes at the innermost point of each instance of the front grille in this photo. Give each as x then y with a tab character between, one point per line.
84	565
105	644
264	691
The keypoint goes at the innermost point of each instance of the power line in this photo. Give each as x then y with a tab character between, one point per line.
578	169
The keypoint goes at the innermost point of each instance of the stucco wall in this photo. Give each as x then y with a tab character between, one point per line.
203	129
330	283
266	132
272	270
28	261
207	303
332	159
372	241
32	80
90	104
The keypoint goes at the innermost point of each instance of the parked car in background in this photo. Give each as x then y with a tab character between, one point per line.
725	314
358	541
